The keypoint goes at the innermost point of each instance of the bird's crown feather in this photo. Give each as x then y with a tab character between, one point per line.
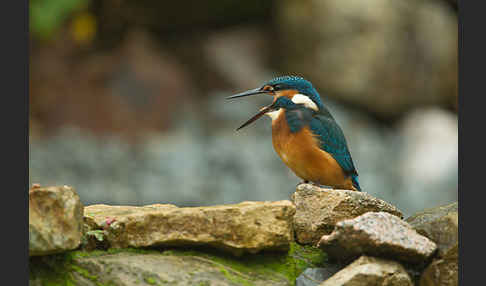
300	84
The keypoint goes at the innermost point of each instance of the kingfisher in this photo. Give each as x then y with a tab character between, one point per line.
305	135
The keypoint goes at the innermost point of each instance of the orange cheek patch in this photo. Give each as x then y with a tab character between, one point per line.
289	93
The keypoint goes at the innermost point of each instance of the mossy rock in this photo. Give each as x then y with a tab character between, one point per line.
173	267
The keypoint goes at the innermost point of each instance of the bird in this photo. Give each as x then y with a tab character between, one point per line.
305	135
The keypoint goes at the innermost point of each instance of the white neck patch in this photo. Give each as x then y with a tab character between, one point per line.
304	99
274	114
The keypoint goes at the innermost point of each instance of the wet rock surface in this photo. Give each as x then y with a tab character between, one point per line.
174	266
378	234
55	220
238	228
315	276
132	268
440	225
371	271
318	210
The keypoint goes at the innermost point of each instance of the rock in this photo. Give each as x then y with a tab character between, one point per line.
131	268
361	51
377	234
318	210
172	267
371	271
238	228
55	220
444	271
314	276
440	225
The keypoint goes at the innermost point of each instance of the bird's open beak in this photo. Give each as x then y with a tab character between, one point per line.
262	111
250	92
258	115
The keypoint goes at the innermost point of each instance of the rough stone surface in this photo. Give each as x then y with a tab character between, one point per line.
55	220
444	271
315	276
371	271
377	234
153	268
440	225
238	228
318	210
173	266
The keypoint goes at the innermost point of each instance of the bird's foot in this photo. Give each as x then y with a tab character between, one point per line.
322	186
315	184
302	182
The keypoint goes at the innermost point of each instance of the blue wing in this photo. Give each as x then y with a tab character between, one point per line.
332	141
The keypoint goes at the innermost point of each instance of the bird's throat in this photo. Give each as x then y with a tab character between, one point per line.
275	114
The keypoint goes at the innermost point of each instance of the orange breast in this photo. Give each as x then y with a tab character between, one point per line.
301	153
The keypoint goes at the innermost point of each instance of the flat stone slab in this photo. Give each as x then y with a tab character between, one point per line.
237	228
371	271
55	220
377	234
318	210
439	224
145	268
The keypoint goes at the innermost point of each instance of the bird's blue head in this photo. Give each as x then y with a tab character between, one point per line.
292	85
285	90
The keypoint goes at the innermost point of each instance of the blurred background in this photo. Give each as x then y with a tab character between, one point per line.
127	97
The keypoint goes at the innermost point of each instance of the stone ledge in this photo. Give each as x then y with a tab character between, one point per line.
237	228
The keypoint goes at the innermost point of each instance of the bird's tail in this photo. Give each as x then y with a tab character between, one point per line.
354	179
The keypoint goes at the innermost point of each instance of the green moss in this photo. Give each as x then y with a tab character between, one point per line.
150	280
58	269
235	278
244	270
270	265
52	270
83	272
95	253
98	234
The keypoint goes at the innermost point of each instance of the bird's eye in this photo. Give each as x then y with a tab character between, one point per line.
268	88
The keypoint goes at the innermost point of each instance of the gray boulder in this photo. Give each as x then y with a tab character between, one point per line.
378	234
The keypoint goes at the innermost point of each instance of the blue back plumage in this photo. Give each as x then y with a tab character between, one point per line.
332	141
